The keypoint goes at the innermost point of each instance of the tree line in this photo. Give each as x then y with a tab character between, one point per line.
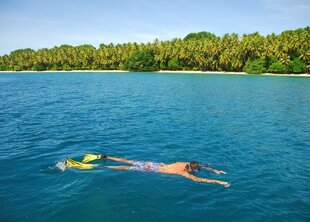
287	52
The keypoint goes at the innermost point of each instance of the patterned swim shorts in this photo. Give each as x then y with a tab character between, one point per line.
144	166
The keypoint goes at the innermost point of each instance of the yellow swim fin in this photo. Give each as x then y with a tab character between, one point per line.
90	157
70	163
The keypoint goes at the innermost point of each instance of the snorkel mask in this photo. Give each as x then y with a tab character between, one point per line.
196	167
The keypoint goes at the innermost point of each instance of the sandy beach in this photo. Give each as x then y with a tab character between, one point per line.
234	73
69	71
168	72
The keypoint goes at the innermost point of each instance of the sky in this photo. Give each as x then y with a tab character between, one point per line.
47	23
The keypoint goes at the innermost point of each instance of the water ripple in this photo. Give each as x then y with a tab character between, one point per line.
255	128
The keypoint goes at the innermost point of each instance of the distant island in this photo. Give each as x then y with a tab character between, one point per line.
288	52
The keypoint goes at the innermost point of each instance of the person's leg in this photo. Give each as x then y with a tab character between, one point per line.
118	167
119	159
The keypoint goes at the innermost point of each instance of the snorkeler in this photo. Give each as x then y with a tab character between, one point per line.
179	168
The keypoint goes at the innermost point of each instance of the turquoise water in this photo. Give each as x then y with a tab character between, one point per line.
254	127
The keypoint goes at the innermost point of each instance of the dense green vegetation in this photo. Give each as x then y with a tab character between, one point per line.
256	66
141	61
288	52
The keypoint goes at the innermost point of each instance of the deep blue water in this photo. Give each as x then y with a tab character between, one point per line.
257	128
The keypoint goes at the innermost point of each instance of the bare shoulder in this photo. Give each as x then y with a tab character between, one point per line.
181	163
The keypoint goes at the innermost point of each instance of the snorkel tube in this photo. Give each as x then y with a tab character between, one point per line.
205	165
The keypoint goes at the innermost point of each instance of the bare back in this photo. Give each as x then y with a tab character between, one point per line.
174	168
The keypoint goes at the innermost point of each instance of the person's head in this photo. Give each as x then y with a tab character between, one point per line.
193	166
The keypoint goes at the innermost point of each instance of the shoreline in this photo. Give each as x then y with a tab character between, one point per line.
234	73
167	71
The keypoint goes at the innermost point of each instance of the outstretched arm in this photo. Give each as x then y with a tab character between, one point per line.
214	170
205	180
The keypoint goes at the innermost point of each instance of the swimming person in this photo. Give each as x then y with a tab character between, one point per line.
179	168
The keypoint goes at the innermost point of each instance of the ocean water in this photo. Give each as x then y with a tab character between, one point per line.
256	128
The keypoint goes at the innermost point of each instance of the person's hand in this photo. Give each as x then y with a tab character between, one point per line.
225	184
219	172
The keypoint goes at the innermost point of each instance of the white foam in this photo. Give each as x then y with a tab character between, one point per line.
61	165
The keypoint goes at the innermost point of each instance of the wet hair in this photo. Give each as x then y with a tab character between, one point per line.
194	165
